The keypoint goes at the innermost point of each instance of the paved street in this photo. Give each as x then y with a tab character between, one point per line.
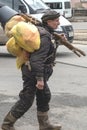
68	86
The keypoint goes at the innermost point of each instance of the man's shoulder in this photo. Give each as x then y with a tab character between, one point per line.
43	31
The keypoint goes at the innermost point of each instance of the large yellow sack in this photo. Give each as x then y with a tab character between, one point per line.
22	56
13	47
26	36
13	21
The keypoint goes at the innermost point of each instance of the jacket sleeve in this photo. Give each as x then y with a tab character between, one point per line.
37	58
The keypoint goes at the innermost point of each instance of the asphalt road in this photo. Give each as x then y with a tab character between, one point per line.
68	85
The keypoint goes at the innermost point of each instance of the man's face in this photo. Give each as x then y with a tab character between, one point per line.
53	23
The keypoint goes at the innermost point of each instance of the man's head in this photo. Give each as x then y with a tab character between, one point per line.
51	18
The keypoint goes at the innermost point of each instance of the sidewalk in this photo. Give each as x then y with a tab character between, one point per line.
78	19
80	37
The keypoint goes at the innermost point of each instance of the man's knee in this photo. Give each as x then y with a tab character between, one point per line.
27	96
24	103
21	107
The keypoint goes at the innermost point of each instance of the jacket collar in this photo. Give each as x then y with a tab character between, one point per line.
48	28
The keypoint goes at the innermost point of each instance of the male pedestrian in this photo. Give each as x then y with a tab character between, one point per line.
35	79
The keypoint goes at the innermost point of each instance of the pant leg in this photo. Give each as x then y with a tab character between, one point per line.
26	96
43	98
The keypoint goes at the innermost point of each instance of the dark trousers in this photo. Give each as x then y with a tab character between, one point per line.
27	95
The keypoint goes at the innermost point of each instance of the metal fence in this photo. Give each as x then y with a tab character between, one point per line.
79	12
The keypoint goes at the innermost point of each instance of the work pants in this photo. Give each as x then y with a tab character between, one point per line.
27	95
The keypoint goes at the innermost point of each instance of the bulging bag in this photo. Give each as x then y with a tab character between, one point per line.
26	35
25	38
13	47
13	21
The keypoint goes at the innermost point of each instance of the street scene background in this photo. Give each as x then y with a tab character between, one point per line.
68	85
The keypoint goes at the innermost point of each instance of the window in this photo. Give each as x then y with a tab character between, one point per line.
67	5
7	2
55	5
37	4
12	3
17	3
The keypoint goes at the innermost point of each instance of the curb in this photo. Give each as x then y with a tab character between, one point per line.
78	19
80	31
79	42
80	37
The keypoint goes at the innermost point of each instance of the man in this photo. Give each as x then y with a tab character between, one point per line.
35	78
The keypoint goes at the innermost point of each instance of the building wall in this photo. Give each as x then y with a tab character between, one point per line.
73	2
78	3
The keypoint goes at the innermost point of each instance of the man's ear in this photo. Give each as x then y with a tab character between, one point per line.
48	21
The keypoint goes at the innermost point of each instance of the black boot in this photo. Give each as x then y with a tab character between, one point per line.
8	122
44	123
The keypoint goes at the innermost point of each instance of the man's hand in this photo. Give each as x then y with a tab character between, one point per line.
63	37
40	84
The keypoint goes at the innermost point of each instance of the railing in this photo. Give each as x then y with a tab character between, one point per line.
79	12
